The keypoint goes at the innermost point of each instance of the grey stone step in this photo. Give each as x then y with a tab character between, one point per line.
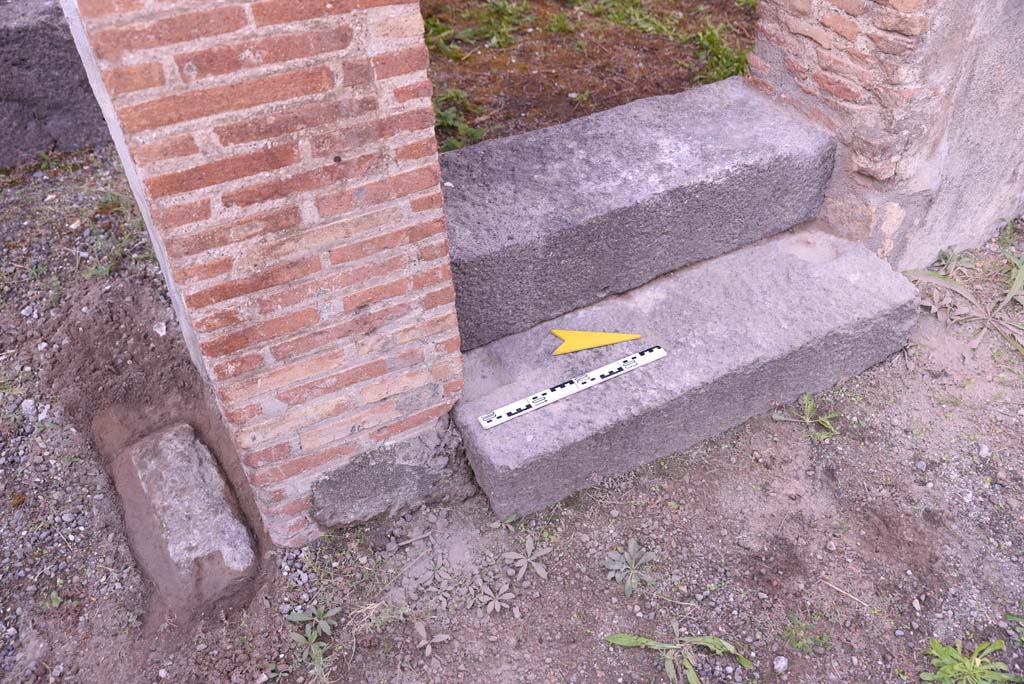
743	332
556	219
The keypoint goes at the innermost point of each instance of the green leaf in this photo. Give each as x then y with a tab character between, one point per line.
943	281
635	641
691	674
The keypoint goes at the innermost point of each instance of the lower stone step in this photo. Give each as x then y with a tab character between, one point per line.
743	332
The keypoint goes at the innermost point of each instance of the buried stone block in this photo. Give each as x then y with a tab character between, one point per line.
180	520
394	477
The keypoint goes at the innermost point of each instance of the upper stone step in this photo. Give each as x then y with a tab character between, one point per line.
742	333
555	219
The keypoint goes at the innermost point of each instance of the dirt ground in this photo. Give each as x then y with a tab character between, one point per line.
841	555
821	559
503	67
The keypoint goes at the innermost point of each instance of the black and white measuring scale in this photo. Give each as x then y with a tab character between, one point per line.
577	384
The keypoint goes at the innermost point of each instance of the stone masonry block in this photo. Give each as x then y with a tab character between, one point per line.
743	332
549	221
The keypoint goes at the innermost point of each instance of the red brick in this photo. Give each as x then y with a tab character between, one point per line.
237	366
839	87
218	321
94	9
433	276
298	118
907	5
414	91
414	421
179	28
393	385
181	214
432	201
356	72
234	232
447	369
408	122
128	79
361	324
333	383
319	238
836	63
434	250
377	294
807	30
414	181
261	280
841	24
166	148
284	11
453	388
264	457
203	270
427	229
332	431
854	8
226	59
449	345
222	171
285	375
907	24
290	508
427	328
401	62
417	150
314	179
891	43
260	332
439	298
201	102
346	139
243	415
370	246
364	4
332	283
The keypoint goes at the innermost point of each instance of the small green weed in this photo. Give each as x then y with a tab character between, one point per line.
313	648
746	4
803	635
1018	624
679	653
496	23
625	567
450	111
954	302
819	425
529	560
440	38
720	59
952	666
53	601
1012	231
633	14
561	23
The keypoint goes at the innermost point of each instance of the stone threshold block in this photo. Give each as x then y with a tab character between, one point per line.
181	522
556	219
743	332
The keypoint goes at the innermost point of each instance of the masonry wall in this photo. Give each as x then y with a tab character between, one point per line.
924	96
283	154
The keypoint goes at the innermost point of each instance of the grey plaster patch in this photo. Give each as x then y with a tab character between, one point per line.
394	477
555	219
743	332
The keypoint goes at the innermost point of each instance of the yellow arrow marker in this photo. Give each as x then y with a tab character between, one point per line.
578	340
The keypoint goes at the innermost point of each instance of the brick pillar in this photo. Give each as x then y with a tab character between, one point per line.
921	95
283	154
